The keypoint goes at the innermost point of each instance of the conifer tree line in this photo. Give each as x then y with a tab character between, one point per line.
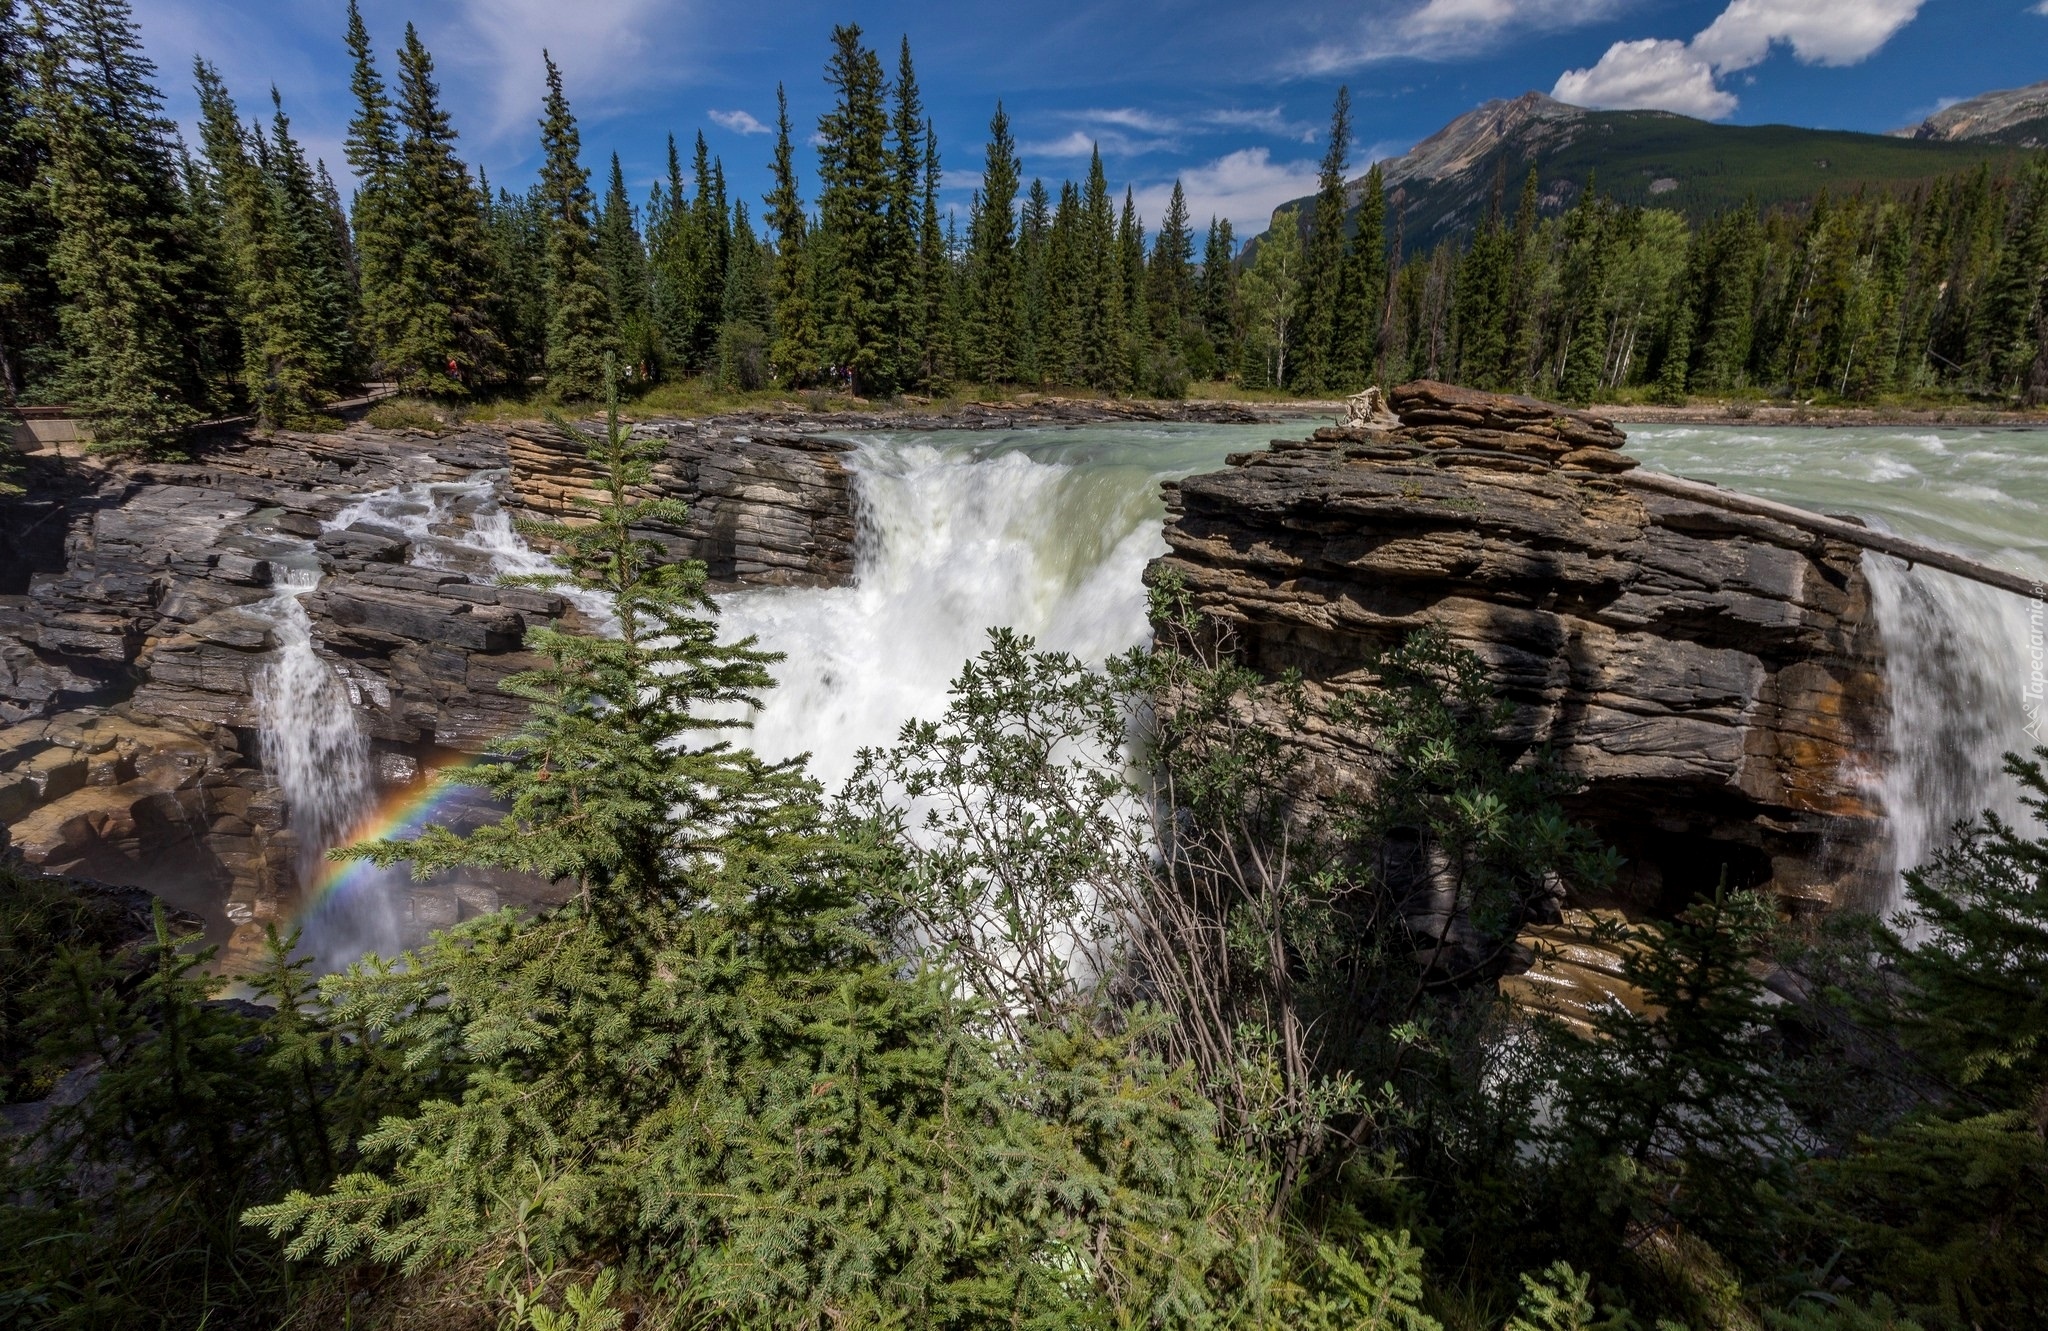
1940	289
157	284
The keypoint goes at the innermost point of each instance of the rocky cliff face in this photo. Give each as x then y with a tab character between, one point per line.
1713	679
767	506
135	631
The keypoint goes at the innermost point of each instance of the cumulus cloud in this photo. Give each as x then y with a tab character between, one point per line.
1671	75
1451	30
1649	74
1820	32
739	122
1244	186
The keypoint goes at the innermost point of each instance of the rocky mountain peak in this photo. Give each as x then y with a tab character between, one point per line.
2018	116
1466	141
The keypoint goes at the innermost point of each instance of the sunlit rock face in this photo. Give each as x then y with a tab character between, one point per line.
1714	680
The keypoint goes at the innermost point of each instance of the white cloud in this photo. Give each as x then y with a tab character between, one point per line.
739	122
1649	74
1244	186
1680	76
1453	29
2041	8
607	51
1270	120
1820	32
1127	117
1080	144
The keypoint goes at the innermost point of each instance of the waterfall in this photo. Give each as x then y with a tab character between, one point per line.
1045	532
1959	661
309	736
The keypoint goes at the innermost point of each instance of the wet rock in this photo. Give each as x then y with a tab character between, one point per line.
367	546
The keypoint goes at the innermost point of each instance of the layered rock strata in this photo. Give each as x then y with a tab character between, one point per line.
1712	679
769	507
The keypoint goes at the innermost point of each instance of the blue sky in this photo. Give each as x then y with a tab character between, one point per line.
1232	98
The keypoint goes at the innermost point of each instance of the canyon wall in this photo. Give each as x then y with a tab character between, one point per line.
1712	680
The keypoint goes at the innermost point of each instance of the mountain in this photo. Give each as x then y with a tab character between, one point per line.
2015	116
1443	185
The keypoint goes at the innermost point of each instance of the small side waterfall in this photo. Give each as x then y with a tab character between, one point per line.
312	740
1959	662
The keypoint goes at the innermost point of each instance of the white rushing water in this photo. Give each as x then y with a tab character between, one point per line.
1045	532
311	739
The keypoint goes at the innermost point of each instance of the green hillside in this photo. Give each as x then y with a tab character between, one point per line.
1654	158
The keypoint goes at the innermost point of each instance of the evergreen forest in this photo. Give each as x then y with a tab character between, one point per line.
157	283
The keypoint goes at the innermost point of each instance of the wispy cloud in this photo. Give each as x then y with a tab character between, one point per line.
1126	117
739	122
1244	186
1671	75
608	51
1080	143
1451	30
1270	120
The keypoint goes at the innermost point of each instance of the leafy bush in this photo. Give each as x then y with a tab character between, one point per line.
407	413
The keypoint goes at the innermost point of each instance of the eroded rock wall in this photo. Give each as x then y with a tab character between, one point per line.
1713	679
769	507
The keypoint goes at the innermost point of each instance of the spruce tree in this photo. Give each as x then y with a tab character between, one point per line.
1130	259
1170	277
1480	300
623	259
1322	279
120	257
29	341
794	355
518	229
851	265
2016	299
581	334
1104	317
1060	343
376	214
320	248
993	314
672	265
935	362
1584	341
1219	293
1361	307
287	362
743	336
1034	239
704	255
439	309
907	307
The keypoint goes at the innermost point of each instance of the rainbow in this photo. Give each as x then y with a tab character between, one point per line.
400	814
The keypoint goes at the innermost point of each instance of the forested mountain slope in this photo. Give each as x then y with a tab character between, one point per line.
1443	186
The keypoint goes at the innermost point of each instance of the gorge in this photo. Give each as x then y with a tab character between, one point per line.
216	669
